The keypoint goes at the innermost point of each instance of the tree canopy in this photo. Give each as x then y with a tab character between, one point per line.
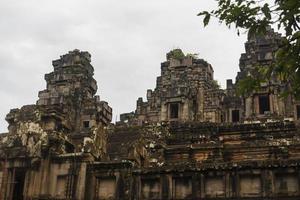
255	16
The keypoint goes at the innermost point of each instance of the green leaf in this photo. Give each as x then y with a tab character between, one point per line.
206	19
296	36
266	10
202	13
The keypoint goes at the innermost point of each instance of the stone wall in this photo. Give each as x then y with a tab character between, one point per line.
234	183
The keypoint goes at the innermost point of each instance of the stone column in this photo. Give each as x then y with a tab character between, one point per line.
166	186
164	113
195	186
200	99
227	186
202	186
248	107
80	186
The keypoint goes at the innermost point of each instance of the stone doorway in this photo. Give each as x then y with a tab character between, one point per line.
18	184
264	104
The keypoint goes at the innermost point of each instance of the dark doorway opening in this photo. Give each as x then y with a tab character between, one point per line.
86	124
18	186
264	104
298	111
222	118
174	109
235	115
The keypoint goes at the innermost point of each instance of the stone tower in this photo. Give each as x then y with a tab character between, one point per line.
185	91
67	107
264	102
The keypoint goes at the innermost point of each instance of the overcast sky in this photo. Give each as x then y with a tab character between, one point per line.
128	39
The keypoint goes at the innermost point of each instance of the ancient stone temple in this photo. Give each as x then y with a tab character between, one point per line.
264	103
185	91
50	143
189	140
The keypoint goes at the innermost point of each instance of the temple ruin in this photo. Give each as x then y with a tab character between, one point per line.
189	139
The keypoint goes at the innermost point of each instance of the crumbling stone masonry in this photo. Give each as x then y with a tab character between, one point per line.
186	90
46	151
189	140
